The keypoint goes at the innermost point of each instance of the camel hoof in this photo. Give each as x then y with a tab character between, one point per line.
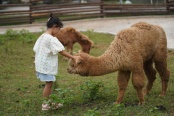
141	103
116	103
162	94
145	93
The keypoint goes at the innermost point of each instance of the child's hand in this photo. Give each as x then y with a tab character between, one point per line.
75	57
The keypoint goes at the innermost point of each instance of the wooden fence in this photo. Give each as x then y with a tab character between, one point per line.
38	13
170	5
67	11
10	15
111	10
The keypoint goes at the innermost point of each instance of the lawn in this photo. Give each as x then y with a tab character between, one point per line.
21	91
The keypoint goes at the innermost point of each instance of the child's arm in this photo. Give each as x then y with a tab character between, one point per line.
66	54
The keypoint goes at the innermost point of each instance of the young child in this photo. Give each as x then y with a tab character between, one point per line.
46	49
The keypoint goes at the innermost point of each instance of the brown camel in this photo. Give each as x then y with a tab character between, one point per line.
132	53
68	36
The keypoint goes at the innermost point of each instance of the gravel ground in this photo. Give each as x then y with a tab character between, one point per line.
108	25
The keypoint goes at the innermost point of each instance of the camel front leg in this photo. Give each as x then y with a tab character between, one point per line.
123	79
138	81
70	48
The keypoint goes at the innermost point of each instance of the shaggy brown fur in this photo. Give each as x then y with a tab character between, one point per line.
68	36
134	50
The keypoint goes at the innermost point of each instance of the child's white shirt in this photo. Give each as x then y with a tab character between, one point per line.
46	49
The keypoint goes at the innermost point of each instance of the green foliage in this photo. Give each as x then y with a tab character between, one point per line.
11	34
153	109
2	40
59	96
117	110
53	100
23	35
26	36
91	90
93	112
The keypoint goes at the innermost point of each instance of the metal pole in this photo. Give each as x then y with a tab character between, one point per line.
121	1
30	14
151	1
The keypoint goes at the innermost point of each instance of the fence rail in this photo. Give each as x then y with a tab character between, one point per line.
67	11
170	5
134	9
9	14
37	13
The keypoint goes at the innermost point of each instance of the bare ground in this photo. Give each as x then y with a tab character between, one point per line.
108	25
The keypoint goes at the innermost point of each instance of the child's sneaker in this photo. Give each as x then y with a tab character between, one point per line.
45	107
56	105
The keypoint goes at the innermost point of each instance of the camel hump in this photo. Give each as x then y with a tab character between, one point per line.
73	31
142	25
127	35
79	36
70	29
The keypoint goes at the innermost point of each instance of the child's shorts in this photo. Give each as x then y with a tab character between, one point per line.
45	77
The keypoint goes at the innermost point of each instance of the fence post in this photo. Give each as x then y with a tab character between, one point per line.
101	8
30	11
167	5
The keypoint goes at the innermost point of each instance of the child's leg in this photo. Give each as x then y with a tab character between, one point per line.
48	89
46	93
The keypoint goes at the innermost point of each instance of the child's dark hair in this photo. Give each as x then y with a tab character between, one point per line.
54	21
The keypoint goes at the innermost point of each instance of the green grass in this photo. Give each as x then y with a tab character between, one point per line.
21	91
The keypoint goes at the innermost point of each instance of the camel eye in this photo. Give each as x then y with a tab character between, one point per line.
72	65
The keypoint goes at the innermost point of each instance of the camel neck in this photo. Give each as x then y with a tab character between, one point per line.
104	64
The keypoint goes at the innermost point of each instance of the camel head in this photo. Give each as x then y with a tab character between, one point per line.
86	43
80	66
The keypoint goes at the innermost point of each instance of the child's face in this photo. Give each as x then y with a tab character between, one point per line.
55	30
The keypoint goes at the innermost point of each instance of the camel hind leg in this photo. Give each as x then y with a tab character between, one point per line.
150	73
160	59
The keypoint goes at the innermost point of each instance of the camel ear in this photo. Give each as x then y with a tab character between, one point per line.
79	60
